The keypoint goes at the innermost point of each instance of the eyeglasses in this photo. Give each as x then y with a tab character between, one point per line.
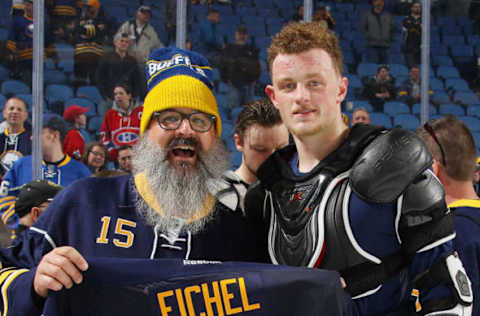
98	154
171	120
430	131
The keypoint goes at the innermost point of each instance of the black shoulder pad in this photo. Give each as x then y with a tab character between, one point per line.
388	165
254	200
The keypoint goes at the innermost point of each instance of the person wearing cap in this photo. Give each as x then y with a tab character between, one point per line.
144	39
379	88
15	141
32	200
121	125
57	167
240	68
166	209
454	164
74	143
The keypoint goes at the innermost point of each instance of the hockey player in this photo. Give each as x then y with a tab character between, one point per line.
166	209
359	201
259	131
454	163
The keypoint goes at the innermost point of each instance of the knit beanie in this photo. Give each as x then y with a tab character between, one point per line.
178	78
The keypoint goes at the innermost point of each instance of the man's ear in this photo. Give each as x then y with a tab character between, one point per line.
270	92
436	167
35	213
238	142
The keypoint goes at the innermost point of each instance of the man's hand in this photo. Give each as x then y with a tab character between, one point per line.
59	268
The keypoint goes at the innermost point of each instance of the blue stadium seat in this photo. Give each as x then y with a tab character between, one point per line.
66	66
473	123
57	93
417	109
12	87
457	84
3	34
355	83
440	60
446	72
398	70
450	40
407	121
64	51
236	159
441	96
393	108
467	98
451	108
476	137
90	92
95	124
381	119
83	102
3	100
367	69
474	110
436	84
54	76
362	104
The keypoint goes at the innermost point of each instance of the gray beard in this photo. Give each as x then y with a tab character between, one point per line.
180	194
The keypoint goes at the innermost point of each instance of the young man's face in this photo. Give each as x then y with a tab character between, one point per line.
125	159
81	120
122	98
15	112
259	142
307	90
360	116
186	153
122	44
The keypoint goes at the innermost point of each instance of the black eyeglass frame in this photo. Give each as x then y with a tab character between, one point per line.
431	131
212	119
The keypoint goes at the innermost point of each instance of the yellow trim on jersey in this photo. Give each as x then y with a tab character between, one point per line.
465	202
5	286
65	161
21	131
146	193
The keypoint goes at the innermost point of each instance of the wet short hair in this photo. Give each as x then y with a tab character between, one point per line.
457	143
298	37
261	112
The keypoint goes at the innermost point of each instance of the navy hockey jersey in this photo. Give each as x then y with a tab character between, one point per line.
169	287
14	146
97	216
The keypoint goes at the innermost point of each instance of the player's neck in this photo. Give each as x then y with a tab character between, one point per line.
313	149
245	174
53	155
459	190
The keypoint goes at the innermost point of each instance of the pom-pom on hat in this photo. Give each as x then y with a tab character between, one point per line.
178	78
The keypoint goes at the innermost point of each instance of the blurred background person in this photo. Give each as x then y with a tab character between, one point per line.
95	157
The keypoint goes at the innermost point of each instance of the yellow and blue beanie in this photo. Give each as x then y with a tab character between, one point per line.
178	78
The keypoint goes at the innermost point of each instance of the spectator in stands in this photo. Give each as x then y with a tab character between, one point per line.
119	67
17	8
360	115
239	68
64	15
124	158
15	141
57	167
121	125
299	14
74	143
20	44
259	131
323	15
143	37
410	90
170	19
96	157
206	41
89	39
378	27
380	88
32	200
454	152
413	26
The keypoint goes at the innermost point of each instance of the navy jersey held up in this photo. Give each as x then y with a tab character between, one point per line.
169	287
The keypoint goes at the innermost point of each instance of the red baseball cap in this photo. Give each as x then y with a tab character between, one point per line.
73	111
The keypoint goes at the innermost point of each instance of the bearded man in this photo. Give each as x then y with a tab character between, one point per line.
166	209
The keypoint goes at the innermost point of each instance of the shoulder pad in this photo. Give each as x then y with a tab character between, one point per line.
388	165
255	200
231	191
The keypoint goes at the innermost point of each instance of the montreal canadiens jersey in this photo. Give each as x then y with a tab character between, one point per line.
181	287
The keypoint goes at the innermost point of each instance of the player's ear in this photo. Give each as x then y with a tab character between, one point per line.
270	92
238	142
